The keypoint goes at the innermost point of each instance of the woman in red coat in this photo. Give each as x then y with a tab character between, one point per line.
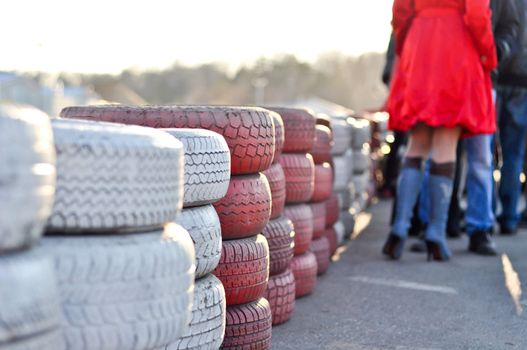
441	90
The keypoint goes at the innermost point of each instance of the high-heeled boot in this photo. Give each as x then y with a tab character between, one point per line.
408	186
441	183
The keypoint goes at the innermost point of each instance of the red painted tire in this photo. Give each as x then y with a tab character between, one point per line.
280	293
321	150
331	235
305	270
319	219
320	247
280	234
299	172
244	269
299	129
248	326
248	131
302	219
332	210
246	208
323	183
276	178
279	136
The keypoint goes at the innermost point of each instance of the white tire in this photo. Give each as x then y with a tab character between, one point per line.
344	198
207	327
116	178
29	302
207	165
343	166
342	132
203	225
124	291
362	159
348	220
361	133
340	231
360	181
27	175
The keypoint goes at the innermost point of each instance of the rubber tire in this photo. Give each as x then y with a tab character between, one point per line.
319	218
323	183
124	291
342	132
321	150
299	129
331	235
115	178
207	326
348	219
279	136
343	166
361	133
207	165
248	326
323	119
320	247
276	178
249	131
246	208
340	231
280	293
244	269
345	199
299	171
332	210
30	310
304	269
360	182
27	175
44	341
203	225
302	218
361	159
280	235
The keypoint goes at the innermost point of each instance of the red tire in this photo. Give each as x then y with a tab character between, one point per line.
248	131
305	270
280	293
319	219
276	178
321	150
280	235
245	209
248	326
279	136
332	210
302	219
331	235
299	129
244	269
299	172
323	183
320	247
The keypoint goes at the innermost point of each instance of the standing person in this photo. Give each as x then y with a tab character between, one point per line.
441	90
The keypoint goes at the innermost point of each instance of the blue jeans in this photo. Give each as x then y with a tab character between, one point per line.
512	118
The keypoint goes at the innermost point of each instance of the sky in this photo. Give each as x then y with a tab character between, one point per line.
107	36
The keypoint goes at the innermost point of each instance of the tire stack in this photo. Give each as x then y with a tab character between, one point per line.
125	271
361	163
299	170
29	307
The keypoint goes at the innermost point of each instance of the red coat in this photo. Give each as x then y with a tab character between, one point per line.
445	54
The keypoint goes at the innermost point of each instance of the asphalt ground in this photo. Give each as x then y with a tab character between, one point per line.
368	302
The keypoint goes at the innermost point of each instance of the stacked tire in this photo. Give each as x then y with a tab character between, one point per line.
361	163
30	309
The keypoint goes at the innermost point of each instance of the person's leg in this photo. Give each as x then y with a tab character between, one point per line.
453	226
409	183
442	170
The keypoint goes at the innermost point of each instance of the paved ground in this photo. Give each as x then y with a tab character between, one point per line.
368	302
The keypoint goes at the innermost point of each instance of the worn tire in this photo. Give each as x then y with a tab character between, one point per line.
361	133
299	172
331	235
280	235
27	175
342	132
302	219
304	268
203	225
319	218
340	231
323	182
207	326
320	247
361	159
279	136
244	269
348	219
124	291
299	129
332	210
207	165
30	309
323	145
343	166
360	181
115	178
246	208
345	199
276	178
280	293
248	131
248	326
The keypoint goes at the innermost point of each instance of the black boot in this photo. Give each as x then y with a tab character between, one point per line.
481	243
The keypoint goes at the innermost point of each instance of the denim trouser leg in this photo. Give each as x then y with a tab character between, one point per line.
479	214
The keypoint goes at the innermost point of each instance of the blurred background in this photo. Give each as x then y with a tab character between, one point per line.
66	52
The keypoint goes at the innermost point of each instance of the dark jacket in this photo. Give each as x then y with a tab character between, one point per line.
390	58
513	70
506	22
